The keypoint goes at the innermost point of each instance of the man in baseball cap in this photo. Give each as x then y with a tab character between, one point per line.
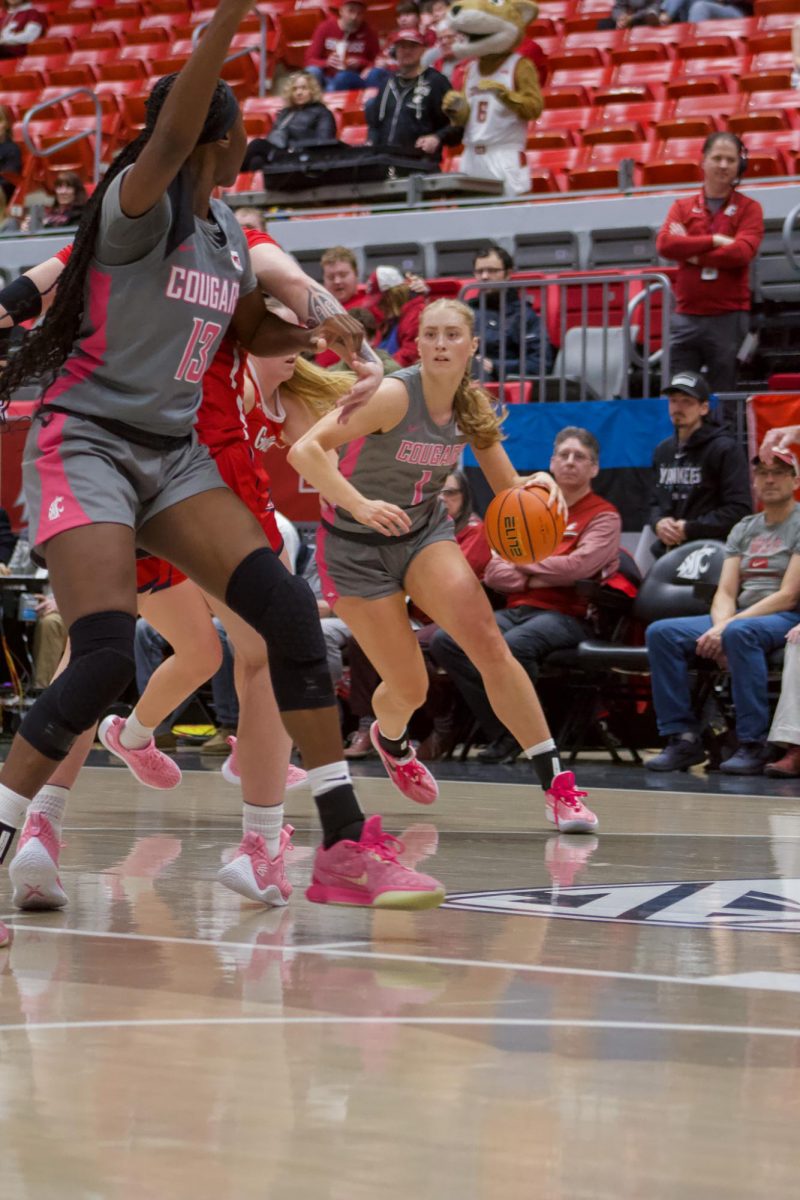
701	484
781	455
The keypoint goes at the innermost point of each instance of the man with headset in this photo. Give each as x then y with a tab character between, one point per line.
714	236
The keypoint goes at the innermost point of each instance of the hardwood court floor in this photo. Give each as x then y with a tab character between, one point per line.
561	1038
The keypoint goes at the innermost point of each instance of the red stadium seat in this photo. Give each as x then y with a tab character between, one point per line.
763	7
568	119
548	167
716	106
295	30
629	93
735	27
646	113
677	161
717	46
581	304
771	41
591	78
685	127
599	170
548	139
570	96
512	392
588	58
50	45
354	135
758	120
611	132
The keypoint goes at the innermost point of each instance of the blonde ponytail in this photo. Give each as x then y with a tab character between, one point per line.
317	389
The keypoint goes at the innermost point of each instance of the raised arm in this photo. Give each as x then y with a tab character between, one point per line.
31	294
183	115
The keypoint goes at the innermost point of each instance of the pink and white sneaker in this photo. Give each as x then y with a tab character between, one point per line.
5	935
410	777
565	808
295	776
565	856
369	874
34	868
149	765
253	874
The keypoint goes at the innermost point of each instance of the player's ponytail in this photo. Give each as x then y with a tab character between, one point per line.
317	389
45	348
476	413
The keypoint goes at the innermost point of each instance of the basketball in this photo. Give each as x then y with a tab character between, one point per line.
520	526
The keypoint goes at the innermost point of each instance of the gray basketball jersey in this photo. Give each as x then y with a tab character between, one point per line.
151	325
407	466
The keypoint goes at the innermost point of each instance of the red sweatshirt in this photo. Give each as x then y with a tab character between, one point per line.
589	549
726	287
359	49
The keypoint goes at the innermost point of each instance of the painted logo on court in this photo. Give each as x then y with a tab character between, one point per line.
770	905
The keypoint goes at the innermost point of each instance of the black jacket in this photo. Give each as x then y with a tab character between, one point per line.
302	125
489	331
405	110
704	482
10	158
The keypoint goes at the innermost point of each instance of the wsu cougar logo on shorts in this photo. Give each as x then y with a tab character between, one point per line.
56	509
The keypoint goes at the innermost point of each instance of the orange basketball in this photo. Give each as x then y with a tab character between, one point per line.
520	526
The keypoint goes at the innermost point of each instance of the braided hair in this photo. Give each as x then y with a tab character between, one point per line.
46	347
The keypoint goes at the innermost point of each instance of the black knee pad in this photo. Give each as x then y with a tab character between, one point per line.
100	668
283	610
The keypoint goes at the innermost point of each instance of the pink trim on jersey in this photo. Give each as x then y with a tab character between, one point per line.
60	509
91	353
328	586
349	459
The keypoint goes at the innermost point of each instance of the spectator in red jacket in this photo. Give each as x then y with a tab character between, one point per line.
23	23
343	50
714	236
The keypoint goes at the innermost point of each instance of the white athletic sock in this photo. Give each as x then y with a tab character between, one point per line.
539	748
51	801
12	815
134	735
325	779
268	821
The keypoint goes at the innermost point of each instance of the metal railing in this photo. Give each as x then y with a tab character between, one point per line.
792	217
260	49
622	326
76	137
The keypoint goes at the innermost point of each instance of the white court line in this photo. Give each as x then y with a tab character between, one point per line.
339	950
455	1022
166	831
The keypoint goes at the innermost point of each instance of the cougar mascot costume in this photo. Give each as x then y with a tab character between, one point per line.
501	91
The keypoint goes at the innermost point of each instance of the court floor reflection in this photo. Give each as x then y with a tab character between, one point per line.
161	1038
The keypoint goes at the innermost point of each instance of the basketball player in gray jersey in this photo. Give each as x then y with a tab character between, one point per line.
385	535
157	273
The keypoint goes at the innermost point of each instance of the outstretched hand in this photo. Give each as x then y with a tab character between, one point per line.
343	335
370	377
778	439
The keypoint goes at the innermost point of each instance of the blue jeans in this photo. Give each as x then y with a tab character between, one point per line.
529	633
710	10
223	689
747	645
345	81
150	650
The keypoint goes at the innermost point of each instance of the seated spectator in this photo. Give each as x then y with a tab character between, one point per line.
251	218
409	17
343	49
397	302
693	11
755	606
544	611
501	340
785	729
713	236
367	321
22	24
442	54
70	202
628	13
432	13
340	276
304	121
407	112
10	156
701	487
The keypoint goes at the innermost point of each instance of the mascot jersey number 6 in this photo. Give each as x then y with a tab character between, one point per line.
501	92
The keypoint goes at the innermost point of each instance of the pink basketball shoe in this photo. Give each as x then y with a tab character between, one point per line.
295	776
34	868
565	808
148	765
253	874
410	777
367	873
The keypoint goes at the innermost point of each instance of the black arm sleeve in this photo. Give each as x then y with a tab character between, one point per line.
21	299
7	539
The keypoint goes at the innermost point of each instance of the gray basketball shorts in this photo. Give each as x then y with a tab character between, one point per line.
347	568
76	473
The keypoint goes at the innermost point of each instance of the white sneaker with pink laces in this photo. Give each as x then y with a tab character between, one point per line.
34	868
148	765
565	808
253	874
409	776
295	776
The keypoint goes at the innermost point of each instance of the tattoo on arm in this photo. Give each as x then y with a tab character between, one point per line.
321	306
